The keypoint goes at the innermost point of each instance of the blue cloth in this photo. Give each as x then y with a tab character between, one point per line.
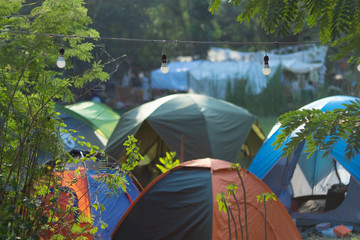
176	79
115	205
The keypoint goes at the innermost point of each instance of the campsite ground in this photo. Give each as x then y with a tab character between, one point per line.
317	237
311	234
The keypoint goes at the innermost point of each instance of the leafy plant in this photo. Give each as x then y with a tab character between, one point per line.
336	20
30	130
321	129
232	191
168	162
225	205
263	198
237	167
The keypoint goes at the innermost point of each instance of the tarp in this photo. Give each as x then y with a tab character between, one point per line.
224	66
85	183
95	121
177	77
181	204
297	175
210	78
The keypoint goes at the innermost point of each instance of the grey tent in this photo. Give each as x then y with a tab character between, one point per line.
209	128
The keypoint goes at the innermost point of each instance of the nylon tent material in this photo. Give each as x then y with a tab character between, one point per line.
95	121
210	128
225	66
181	204
83	184
297	175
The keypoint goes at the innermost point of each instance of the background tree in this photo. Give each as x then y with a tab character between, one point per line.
337	23
173	20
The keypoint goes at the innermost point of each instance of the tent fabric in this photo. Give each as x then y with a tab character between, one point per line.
98	115
181	204
92	120
211	77
89	189
260	166
347	213
297	175
211	127
177	77
89	134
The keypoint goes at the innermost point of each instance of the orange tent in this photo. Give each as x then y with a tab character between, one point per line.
181	204
82	186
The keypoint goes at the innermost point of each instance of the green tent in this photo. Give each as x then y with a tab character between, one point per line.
95	121
194	126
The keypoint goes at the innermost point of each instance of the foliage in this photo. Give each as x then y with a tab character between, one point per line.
270	102
335	19
30	130
132	154
263	198
170	20
168	162
225	205
322	130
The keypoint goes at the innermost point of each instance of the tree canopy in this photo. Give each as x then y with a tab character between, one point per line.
337	22
30	85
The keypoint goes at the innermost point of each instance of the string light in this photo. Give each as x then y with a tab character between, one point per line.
160	41
358	67
61	60
164	66
266	69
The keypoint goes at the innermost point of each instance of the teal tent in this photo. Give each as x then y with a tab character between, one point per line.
95	121
193	125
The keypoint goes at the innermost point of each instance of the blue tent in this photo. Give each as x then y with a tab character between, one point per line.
297	176
85	181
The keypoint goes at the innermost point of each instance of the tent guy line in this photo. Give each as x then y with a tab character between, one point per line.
164	41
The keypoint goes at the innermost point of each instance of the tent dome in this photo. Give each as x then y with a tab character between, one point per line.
209	127
298	177
181	204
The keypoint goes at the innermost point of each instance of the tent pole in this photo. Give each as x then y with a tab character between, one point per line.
182	149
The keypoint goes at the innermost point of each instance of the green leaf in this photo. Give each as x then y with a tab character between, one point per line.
103	225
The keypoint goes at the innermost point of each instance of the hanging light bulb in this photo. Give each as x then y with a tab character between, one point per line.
358	67
61	60
266	69
164	66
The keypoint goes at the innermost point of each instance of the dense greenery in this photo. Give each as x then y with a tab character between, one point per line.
30	84
337	22
170	20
